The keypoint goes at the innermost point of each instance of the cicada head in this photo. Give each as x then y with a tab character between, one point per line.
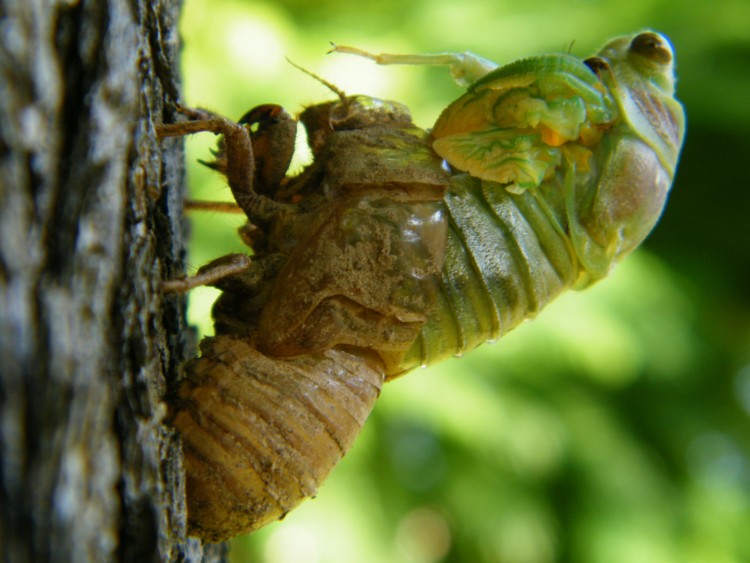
638	156
640	73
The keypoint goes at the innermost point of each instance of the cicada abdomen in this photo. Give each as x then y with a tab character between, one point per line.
260	434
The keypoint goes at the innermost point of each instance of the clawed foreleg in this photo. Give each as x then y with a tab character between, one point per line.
240	161
210	274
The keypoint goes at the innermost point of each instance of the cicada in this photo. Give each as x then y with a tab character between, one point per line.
397	247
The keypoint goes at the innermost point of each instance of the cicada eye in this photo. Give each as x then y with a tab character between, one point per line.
653	47
597	65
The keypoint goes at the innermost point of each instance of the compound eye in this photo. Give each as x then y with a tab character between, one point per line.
597	65
653	47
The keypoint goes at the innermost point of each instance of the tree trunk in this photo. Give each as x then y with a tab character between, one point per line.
90	221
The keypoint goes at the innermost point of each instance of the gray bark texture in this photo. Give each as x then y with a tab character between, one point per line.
90	221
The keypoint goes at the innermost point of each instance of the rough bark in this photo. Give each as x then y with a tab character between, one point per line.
90	221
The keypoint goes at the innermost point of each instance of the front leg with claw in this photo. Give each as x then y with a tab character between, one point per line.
240	161
237	161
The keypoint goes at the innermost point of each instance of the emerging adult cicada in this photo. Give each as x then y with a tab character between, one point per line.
378	258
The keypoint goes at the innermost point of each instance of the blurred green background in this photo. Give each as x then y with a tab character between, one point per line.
613	428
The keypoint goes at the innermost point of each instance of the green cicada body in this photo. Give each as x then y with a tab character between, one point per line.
379	258
568	164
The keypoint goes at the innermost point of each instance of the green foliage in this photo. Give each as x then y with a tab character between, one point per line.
613	427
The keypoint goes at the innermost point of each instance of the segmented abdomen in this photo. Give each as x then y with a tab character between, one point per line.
261	433
507	257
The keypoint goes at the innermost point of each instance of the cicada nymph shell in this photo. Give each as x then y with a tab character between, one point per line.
346	263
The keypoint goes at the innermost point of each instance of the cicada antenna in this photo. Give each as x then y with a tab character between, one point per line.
336	90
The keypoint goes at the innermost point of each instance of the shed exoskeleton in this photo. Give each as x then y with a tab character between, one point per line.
346	260
379	257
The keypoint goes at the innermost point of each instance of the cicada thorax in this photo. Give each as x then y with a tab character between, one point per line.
366	273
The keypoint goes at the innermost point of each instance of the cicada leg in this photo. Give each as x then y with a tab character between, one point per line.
464	67
217	206
240	162
210	274
274	134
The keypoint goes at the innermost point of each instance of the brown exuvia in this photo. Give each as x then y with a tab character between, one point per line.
305	329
